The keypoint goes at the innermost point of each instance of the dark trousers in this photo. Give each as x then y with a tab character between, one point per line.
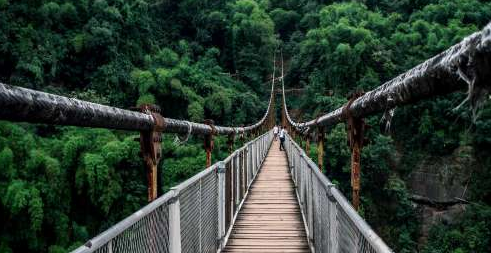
282	143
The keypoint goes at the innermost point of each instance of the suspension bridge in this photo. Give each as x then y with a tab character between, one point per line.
258	199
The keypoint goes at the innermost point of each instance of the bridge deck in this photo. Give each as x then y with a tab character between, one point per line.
270	219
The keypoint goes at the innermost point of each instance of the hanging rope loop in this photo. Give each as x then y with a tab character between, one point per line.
178	140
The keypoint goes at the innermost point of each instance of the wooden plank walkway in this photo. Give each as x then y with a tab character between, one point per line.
270	220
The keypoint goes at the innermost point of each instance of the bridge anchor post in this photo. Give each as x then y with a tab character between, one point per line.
307	144
230	142
208	142
356	130
150	146
320	148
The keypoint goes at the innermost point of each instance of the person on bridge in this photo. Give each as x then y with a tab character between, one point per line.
275	132
282	138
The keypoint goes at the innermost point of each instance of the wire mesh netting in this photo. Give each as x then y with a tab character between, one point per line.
209	213
148	235
189	200
187	219
332	223
347	242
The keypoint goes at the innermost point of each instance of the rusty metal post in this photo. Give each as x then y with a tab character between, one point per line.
273	114
320	148
272	120
208	144
307	144
208	141
283	115
242	136
150	147
230	142
356	130
272	109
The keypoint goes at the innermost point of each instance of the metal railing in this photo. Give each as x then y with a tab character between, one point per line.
332	224
466	64
195	216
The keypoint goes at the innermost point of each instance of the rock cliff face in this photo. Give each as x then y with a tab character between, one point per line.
431	215
438	184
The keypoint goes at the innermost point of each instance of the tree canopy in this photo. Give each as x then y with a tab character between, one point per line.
197	60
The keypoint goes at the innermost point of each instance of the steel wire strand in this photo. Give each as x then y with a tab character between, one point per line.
466	64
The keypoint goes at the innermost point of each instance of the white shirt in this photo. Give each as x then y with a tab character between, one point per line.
275	130
282	133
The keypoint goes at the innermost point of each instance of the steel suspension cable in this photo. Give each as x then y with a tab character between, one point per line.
26	105
285	107
466	64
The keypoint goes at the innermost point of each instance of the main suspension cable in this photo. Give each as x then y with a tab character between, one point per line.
466	64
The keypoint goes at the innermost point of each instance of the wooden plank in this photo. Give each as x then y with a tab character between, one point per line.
270	220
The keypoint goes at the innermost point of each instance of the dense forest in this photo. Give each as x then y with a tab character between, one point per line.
60	186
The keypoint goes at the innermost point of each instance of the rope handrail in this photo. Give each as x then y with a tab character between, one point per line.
466	64
26	105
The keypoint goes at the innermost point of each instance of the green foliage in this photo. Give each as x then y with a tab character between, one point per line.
38	190
166	58
4	3
218	104
471	233
342	46
285	21
120	53
145	99
337	150
196	112
253	41
23	199
7	163
142	80
59	186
